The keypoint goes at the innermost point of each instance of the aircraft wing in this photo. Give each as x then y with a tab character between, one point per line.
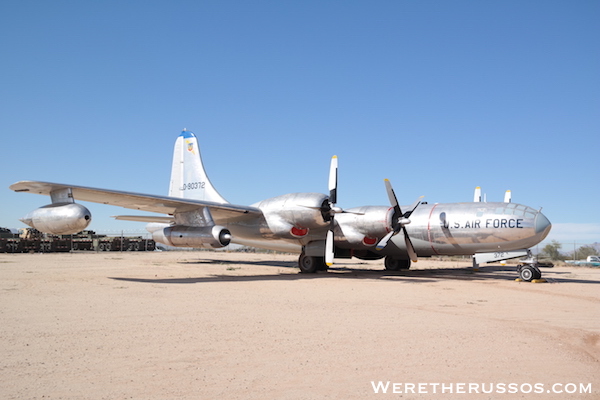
137	201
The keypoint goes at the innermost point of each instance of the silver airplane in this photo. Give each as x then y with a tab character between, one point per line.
196	215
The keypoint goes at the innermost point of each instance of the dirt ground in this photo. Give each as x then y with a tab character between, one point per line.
206	325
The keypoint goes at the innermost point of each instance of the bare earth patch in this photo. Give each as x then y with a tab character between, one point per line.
204	325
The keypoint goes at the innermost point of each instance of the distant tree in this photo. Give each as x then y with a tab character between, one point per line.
584	251
552	251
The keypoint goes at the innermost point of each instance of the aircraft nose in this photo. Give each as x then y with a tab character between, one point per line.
542	225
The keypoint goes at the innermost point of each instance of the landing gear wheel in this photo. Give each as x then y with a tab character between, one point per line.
311	264
396	264
529	273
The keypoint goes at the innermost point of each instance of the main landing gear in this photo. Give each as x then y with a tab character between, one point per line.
311	264
396	264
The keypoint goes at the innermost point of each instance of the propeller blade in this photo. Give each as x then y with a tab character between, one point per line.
329	249
329	239
383	242
392	196
334	210
412	207
333	170
409	247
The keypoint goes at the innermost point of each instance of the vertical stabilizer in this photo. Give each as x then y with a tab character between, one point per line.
188	178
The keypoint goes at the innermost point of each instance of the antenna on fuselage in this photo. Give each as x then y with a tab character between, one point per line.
477	195
507	196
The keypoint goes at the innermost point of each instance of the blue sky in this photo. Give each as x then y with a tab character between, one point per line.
437	96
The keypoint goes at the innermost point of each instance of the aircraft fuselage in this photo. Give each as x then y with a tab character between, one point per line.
435	229
469	228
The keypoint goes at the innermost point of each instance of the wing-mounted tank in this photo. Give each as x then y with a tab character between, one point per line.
62	217
59	218
363	227
294	215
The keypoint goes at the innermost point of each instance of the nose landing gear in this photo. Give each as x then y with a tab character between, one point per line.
529	269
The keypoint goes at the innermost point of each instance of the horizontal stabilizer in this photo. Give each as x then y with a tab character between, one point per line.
144	218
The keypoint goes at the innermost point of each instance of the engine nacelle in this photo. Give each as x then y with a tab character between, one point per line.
293	215
364	226
193	236
59	218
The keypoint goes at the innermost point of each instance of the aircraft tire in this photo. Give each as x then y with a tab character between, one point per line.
528	273
310	264
396	264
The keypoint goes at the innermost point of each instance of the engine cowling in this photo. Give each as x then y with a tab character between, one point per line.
59	218
294	215
364	226
193	236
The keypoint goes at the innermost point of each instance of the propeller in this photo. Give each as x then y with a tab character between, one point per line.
329	210
333	173
399	221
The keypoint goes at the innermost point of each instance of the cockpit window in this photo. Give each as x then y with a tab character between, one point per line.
515	209
520	211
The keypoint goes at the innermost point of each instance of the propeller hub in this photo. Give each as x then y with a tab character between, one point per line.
403	221
336	210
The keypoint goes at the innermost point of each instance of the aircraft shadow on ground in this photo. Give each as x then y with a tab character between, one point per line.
491	273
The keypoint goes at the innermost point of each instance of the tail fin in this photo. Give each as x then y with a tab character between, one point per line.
188	178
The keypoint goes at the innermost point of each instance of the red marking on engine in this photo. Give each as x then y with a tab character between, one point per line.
299	232
369	241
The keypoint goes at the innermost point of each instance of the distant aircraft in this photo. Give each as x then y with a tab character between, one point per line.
196	215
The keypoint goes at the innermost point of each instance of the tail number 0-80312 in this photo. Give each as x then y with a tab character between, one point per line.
193	185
